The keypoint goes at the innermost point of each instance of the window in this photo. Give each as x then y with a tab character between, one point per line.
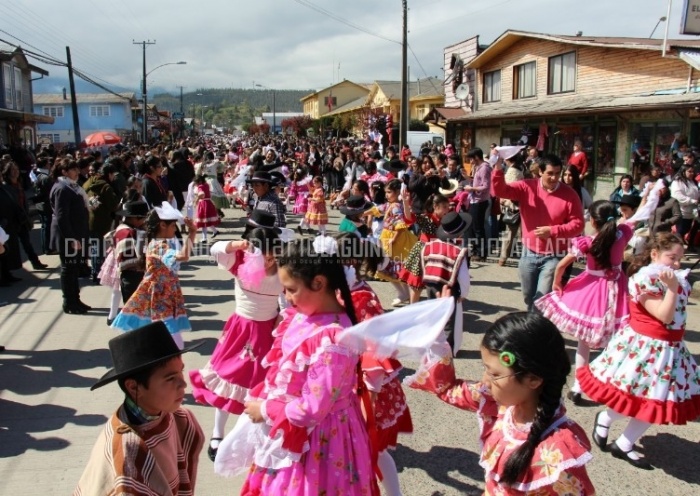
420	111
7	84
333	100
55	111
562	73
525	80
492	86
99	111
19	104
49	138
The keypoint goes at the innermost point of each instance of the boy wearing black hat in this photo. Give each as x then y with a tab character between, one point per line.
443	263
151	444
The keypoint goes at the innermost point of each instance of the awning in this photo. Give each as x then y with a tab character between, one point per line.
441	114
17	115
690	57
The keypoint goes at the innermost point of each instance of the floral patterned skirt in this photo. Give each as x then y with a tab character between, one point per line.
652	380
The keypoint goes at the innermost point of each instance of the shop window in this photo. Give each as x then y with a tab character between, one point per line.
567	134
562	73
606	149
653	144
525	80
492	86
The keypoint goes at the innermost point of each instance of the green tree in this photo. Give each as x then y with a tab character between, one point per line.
418	125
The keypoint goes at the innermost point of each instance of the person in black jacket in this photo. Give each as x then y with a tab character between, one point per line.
69	231
153	190
42	188
181	176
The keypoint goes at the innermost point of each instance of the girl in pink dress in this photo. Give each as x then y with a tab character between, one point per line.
299	192
592	306
386	399
529	445
646	375
312	439
317	214
205	215
236	363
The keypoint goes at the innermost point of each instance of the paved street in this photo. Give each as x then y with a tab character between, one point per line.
49	419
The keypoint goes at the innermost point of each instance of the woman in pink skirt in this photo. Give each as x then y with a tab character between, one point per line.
592	306
206	215
235	365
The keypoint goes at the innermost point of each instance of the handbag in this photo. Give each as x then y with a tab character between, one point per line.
510	215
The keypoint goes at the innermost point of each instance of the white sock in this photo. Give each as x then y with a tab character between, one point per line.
114	303
204	234
303	224
390	478
322	229
634	430
605	420
583	353
220	418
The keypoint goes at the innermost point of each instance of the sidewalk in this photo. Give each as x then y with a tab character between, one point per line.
49	419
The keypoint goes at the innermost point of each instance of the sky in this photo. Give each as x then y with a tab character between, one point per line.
286	44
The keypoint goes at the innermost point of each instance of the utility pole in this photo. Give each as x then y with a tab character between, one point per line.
182	112
403	126
144	132
73	101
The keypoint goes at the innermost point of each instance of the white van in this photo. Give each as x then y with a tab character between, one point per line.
416	138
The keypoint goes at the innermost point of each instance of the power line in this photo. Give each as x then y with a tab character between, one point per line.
430	80
327	13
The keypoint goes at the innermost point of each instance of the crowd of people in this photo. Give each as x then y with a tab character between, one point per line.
316	414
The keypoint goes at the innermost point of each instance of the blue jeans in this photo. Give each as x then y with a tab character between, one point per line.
536	275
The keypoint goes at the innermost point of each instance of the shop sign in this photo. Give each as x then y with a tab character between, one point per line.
690	22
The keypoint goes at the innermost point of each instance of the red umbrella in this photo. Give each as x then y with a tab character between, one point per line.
102	138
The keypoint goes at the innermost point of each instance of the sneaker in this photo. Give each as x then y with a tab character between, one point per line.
397	302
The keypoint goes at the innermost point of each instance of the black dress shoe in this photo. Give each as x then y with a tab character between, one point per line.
575	398
39	266
211	452
600	441
617	452
80	304
109	322
74	309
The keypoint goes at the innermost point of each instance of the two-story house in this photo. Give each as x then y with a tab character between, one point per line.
619	96
17	119
96	112
340	95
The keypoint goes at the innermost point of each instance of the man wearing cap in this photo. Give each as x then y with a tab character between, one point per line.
266	198
151	444
551	213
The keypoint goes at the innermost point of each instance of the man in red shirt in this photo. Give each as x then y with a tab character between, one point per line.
551	213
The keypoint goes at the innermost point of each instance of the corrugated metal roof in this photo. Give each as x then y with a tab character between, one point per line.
57	98
579	105
423	88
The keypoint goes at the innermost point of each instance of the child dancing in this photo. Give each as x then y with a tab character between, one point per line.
646	373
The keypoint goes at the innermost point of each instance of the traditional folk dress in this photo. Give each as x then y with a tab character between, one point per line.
391	412
395	223
412	273
646	371
210	171
593	306
153	459
299	191
558	464
158	296
317	215
109	273
236	363
206	214
313	439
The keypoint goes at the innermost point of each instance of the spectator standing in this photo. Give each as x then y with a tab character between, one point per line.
480	191
104	202
685	191
551	214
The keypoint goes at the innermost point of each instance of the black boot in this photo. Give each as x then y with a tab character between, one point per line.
70	289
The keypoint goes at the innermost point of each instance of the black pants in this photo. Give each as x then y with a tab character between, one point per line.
45	219
70	276
433	292
129	280
478	213
23	235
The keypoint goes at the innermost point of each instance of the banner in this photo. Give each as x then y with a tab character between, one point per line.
690	22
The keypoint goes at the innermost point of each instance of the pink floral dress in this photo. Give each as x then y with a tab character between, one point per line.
316	441
593	305
558	467
646	371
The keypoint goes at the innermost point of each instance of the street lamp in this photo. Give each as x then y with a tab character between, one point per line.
274	108
144	137
661	19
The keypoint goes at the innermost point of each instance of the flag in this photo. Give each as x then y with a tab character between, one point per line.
330	101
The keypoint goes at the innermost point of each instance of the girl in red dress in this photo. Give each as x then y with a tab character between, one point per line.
205	211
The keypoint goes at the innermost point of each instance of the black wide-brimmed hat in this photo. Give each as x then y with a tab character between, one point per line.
355	205
629	200
395	165
264	219
261	177
453	225
278	178
134	209
138	349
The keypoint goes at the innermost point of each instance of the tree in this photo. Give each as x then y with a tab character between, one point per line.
418	125
297	125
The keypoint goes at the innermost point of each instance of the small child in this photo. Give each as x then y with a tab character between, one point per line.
646	374
206	215
299	191
529	445
355	212
158	296
308	436
236	363
151	444
592	307
317	215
